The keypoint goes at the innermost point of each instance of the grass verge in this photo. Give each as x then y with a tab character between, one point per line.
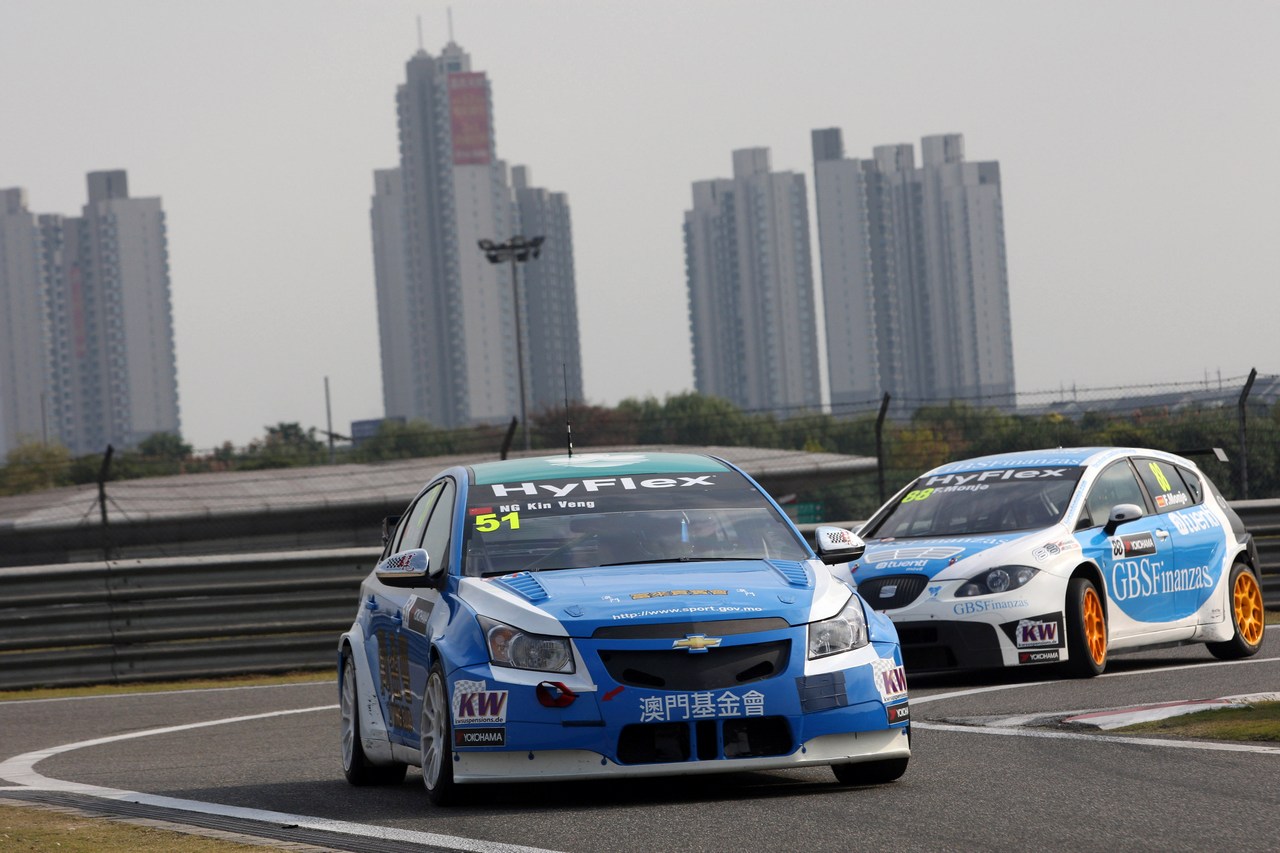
1259	723
24	827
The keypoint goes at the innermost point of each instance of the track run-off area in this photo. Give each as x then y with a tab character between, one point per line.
993	768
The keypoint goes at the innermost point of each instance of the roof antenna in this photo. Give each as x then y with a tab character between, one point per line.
568	426
449	12
420	47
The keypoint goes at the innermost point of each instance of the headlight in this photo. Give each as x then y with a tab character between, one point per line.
512	647
846	632
999	579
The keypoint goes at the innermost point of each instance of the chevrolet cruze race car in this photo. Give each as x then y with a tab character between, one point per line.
611	615
1061	556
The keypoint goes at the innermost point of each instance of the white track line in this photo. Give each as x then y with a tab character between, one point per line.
21	770
1043	733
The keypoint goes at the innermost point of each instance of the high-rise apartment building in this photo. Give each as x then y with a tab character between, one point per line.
94	290
447	317
549	296
24	344
750	286
915	284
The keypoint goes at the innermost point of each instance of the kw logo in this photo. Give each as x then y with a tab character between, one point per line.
894	681
472	703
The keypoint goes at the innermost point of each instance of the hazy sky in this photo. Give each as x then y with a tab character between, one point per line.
1137	143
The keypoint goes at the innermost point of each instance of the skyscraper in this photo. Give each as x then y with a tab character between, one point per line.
550	299
25	375
915	285
750	287
446	315
101	281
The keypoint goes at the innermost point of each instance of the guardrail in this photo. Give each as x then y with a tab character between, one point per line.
147	620
200	617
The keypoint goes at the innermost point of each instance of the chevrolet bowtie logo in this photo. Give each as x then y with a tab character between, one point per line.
696	643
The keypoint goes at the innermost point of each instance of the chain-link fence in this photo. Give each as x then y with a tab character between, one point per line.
908	435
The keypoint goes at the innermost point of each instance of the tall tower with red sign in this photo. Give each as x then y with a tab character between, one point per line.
447	318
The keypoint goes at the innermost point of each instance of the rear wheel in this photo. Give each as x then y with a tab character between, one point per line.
870	772
356	766
1086	629
437	741
1246	616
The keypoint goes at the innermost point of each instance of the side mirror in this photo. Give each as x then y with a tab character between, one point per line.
406	569
837	545
388	527
1122	514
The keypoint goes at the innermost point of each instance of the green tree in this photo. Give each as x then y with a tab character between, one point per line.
413	439
286	445
33	466
159	454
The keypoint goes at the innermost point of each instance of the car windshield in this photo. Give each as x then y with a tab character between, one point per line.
717	516
998	501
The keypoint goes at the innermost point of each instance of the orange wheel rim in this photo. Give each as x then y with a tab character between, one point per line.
1247	604
1095	627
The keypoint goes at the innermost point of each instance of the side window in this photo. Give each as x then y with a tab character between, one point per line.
1164	484
1194	486
436	540
1115	485
415	520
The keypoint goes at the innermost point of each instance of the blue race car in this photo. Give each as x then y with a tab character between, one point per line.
614	615
1061	556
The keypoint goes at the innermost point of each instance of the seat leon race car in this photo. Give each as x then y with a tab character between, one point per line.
1061	557
614	615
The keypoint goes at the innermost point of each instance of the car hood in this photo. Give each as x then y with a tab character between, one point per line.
582	600
952	557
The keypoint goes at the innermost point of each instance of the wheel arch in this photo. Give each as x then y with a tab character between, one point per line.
1090	572
372	728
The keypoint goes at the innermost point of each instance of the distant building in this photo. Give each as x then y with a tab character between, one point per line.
25	370
750	287
446	315
550	297
365	430
109	372
914	277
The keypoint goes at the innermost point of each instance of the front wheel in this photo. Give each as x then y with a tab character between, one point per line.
870	772
356	766
436	741
1246	616
1086	629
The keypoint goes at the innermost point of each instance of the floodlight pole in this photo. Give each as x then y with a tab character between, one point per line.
518	249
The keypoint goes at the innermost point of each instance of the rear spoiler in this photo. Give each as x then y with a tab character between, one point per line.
1216	452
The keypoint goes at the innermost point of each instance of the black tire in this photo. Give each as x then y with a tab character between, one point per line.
436	740
1247	616
1087	638
356	766
870	772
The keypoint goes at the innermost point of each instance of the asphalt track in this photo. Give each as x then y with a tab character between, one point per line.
992	769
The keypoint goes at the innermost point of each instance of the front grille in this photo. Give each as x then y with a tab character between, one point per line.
726	666
708	740
676	630
892	592
928	646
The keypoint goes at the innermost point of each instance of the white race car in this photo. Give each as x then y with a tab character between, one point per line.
1061	556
